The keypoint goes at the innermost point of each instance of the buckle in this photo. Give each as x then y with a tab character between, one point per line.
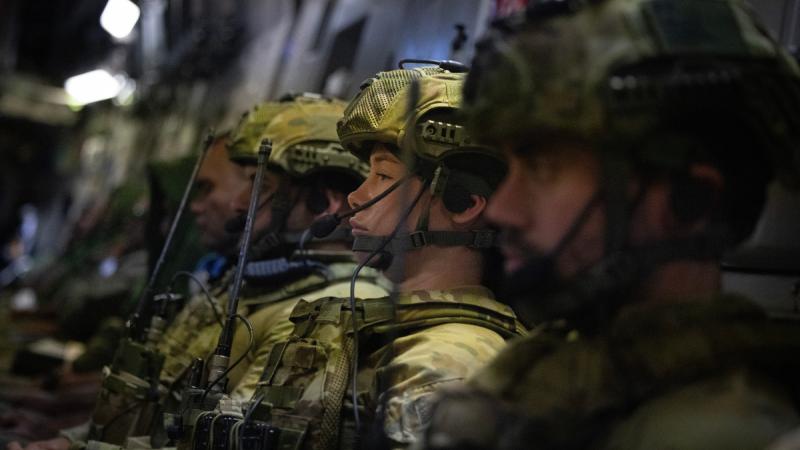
418	239
483	239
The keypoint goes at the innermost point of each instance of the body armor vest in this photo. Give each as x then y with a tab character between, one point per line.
301	396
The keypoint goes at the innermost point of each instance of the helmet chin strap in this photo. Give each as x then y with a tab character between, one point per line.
588	299
380	256
539	273
422	236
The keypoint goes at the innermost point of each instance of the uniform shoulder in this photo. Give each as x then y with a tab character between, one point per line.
736	410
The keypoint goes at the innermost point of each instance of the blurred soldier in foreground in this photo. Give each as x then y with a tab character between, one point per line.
641	136
424	215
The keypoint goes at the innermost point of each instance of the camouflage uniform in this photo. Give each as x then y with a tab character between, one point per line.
675	376
196	330
304	142
405	348
408	349
623	372
272	311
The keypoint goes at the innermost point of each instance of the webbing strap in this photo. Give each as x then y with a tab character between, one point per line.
381	315
332	410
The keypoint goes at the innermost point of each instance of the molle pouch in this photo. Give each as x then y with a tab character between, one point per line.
305	378
128	402
299	366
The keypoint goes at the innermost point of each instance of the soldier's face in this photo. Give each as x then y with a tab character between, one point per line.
269	186
218	181
381	218
538	201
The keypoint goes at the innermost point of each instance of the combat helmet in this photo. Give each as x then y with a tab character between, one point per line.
615	70
653	86
302	130
416	112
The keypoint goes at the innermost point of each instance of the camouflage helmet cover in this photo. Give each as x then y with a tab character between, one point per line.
248	133
611	67
380	113
303	134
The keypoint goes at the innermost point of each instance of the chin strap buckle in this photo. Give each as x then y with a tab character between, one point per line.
483	239
418	239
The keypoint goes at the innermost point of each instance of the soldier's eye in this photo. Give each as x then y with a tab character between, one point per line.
382	176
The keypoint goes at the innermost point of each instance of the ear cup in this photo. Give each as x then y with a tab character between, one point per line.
456	198
316	201
692	198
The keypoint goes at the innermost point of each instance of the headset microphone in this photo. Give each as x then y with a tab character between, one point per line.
325	225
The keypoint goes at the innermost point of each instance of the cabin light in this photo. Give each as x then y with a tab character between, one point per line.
93	86
119	17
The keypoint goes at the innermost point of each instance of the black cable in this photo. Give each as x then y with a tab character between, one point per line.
247	416
250	347
354	367
205	290
122	413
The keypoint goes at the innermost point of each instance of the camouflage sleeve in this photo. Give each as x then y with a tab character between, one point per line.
422	364
191	335
197	313
739	410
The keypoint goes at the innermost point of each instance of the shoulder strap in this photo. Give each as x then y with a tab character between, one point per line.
381	315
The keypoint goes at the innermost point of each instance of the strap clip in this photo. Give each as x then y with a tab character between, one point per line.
418	239
483	239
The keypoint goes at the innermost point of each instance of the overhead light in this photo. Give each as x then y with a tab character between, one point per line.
93	86
119	17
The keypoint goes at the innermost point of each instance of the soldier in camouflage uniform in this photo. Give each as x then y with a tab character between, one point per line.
308	175
641	135
218	180
443	325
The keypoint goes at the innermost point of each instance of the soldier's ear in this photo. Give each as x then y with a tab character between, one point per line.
695	195
471	214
